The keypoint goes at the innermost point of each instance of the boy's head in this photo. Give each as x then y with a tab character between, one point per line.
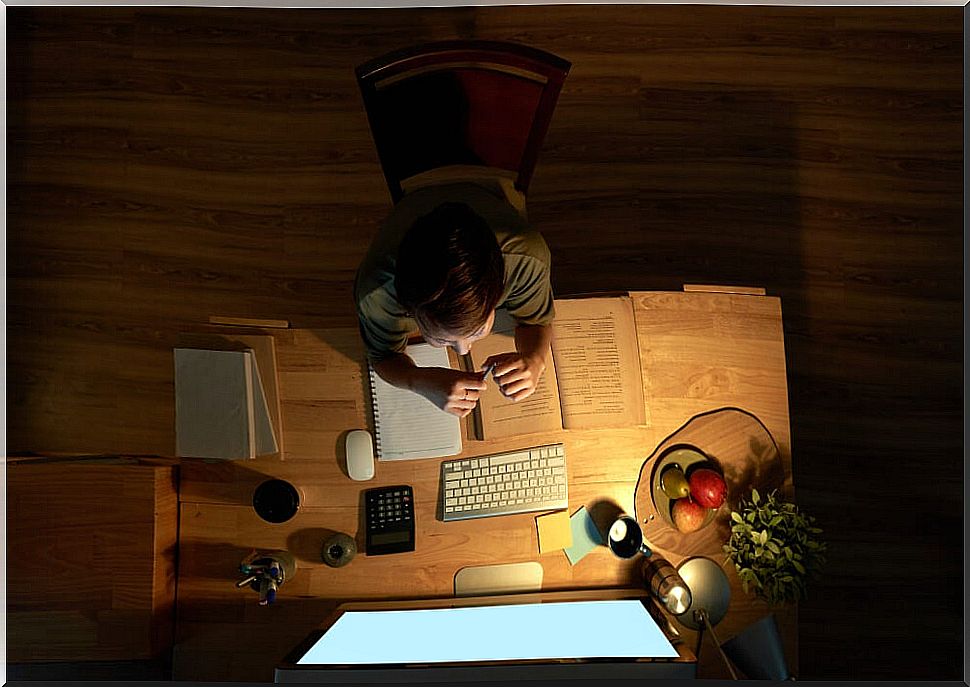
450	275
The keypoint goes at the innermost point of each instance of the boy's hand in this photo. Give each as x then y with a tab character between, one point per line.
453	391
517	375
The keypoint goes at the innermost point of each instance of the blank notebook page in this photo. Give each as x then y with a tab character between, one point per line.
406	424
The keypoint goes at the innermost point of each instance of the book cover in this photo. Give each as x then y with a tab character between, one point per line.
214	404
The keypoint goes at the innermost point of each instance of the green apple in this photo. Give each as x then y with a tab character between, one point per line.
674	483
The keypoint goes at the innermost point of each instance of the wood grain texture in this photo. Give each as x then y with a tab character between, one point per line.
323	397
165	165
93	548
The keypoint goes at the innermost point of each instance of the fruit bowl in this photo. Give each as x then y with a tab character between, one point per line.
686	460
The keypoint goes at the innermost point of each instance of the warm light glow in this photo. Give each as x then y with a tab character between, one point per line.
677	599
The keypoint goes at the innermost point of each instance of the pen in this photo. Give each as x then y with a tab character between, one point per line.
243	583
485	370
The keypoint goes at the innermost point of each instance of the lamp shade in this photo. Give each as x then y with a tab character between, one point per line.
758	651
710	591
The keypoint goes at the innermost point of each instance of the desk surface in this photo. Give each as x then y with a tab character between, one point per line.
699	352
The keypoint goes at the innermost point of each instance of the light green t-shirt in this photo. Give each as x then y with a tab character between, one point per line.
384	324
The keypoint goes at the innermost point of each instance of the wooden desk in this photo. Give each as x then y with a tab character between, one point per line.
699	352
92	559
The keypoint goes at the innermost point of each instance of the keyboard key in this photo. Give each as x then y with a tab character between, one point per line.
514	482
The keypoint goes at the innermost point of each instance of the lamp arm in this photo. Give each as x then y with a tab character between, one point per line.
717	643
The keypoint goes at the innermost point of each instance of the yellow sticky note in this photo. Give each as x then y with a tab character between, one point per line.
554	531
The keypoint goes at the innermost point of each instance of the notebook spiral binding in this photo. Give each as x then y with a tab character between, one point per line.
374	411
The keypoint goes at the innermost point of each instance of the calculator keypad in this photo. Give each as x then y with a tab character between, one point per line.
390	509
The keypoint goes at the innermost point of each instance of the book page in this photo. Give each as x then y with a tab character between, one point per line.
594	344
501	417
409	426
265	436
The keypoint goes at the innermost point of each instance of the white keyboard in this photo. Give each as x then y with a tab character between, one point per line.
521	481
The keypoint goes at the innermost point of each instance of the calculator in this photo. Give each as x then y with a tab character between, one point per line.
390	520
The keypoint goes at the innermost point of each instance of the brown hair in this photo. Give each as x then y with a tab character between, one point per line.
450	272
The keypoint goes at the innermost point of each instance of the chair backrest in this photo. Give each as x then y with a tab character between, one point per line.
482	103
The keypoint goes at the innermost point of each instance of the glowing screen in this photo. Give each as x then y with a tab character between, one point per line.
616	628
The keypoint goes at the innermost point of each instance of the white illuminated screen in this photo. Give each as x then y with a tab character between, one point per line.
617	628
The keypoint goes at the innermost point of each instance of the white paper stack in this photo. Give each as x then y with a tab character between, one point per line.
220	406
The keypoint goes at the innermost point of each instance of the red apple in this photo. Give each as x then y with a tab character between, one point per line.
707	487
688	515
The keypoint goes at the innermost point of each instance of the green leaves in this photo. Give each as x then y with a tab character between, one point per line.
773	547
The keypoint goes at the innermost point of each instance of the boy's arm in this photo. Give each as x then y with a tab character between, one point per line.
453	391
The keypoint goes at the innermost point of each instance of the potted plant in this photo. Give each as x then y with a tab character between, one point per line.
774	547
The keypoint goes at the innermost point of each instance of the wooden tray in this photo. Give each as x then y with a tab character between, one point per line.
746	452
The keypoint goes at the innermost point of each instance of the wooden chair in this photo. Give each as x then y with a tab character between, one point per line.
460	103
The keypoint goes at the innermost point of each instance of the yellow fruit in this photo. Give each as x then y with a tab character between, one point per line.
674	483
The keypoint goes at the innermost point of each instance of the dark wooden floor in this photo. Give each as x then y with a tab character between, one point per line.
166	165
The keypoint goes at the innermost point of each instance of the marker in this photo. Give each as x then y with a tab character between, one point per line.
271	592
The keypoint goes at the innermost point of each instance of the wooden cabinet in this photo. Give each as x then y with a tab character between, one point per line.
91	550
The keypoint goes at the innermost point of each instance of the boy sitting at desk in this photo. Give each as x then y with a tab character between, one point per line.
442	262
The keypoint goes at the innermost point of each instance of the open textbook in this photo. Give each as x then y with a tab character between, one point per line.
592	378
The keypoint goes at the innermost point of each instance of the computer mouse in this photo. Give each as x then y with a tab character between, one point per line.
360	455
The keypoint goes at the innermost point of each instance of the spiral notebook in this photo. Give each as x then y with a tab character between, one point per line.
408	426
